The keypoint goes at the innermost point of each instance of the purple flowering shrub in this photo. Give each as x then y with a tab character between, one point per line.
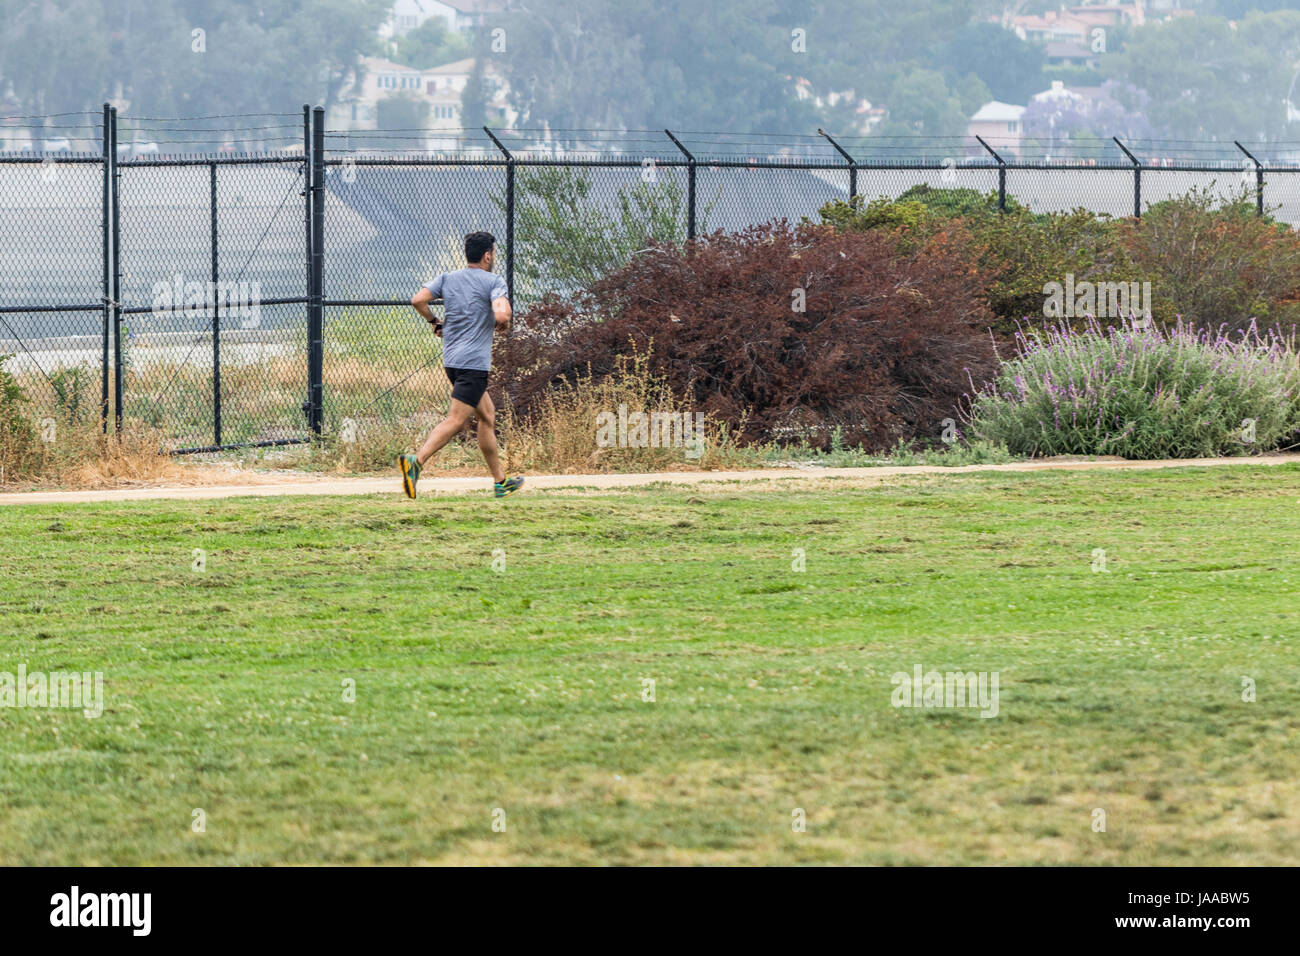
1142	392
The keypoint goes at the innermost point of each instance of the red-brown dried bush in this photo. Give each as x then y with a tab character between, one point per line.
881	348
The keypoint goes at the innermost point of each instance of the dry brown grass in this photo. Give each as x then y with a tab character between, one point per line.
81	456
51	435
560	438
375	445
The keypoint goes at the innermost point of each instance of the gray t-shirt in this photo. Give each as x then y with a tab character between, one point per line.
467	326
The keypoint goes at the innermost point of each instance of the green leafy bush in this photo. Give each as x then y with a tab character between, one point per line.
1019	251
950	203
1140	392
859	215
1204	257
1023	252
73	392
920	208
18	439
1214	260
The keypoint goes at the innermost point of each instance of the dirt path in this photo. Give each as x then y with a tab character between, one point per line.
292	484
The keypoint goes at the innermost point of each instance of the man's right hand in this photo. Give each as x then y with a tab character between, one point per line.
420	302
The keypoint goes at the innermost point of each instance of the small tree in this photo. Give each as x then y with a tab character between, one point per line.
400	112
474	97
568	239
430	45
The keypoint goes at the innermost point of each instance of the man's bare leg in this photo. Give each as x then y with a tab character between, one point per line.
487	437
445	431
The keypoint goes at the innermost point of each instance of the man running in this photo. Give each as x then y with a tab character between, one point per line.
474	306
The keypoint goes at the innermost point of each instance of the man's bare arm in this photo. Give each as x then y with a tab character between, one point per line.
421	302
502	312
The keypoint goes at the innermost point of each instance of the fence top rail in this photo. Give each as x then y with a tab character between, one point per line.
348	160
61	159
1226	167
213	161
605	163
92	159
721	145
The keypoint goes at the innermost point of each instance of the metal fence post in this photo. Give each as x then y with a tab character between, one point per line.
307	207
107	225
316	290
853	164
510	215
115	295
216	311
690	185
510	231
1137	178
1002	175
306	195
1259	179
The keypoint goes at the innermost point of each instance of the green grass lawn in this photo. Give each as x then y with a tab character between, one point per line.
522	689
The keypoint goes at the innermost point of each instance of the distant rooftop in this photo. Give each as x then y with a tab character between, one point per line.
477	6
1059	90
995	112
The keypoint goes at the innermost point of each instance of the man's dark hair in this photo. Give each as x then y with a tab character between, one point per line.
477	244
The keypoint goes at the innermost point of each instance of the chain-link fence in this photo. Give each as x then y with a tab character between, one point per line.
54	269
259	299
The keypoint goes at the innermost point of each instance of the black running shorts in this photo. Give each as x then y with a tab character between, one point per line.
467	385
